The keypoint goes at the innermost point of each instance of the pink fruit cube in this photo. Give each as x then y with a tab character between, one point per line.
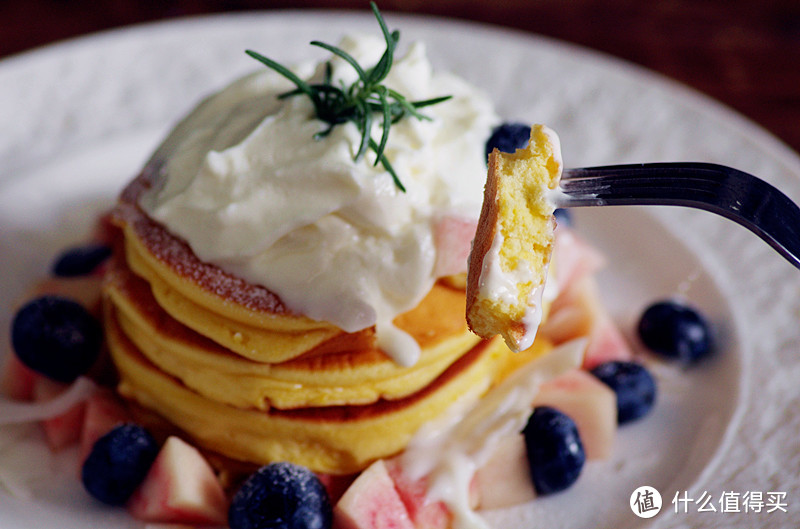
372	502
414	494
453	239
578	312
505	480
606	343
574	312
574	258
180	487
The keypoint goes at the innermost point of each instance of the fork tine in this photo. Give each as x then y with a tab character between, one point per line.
734	194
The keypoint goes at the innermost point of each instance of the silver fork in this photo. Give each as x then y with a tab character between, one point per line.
734	194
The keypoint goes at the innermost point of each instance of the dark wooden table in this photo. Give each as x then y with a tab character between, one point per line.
745	53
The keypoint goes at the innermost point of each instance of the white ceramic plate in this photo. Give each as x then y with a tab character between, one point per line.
79	119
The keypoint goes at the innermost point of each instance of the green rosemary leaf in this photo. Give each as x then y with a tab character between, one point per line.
358	102
365	125
290	93
284	71
321	134
407	107
381	70
387	123
394	109
344	55
388	167
429	102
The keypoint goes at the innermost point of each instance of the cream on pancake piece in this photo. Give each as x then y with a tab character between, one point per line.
510	256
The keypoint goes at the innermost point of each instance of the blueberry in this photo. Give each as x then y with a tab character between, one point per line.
634	386
118	463
281	496
563	216
676	330
508	137
56	337
80	260
555	451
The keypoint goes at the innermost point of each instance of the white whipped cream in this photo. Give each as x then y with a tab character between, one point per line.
252	192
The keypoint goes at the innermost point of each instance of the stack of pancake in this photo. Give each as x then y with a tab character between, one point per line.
241	375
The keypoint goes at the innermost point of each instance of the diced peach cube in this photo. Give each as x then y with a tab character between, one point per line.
180	487
505	480
372	502
423	512
453	239
606	344
574	312
578	312
574	258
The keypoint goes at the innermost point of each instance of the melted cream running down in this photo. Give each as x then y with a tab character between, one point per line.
496	284
252	192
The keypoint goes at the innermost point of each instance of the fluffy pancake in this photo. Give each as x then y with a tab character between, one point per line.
335	439
356	376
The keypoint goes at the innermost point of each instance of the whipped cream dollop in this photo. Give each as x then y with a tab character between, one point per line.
251	191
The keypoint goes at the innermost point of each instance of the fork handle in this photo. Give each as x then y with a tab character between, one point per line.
734	194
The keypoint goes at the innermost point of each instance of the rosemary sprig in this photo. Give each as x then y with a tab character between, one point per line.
357	103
